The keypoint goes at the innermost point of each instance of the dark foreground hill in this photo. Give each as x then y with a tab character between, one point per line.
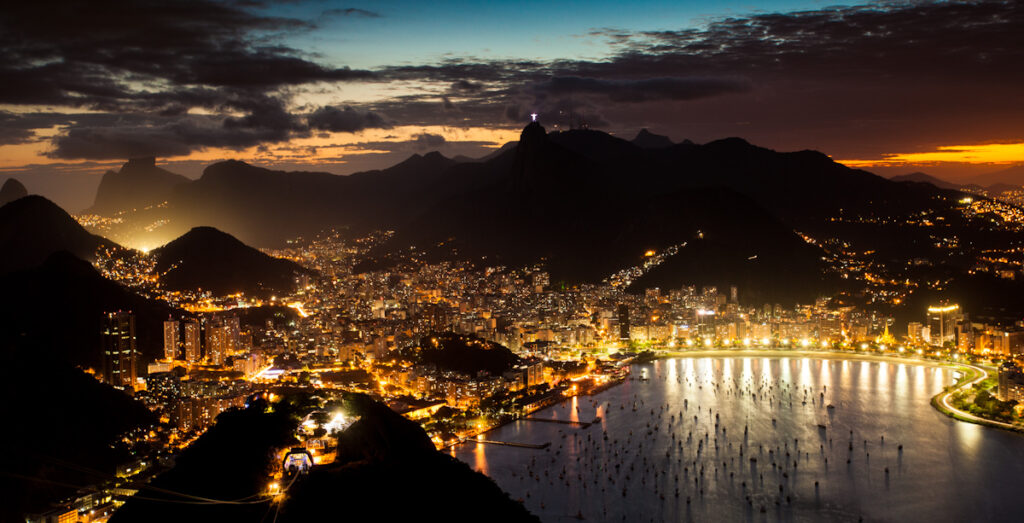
46	407
58	308
32	228
387	470
208	259
462	353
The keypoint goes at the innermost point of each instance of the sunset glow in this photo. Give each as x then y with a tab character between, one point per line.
994	153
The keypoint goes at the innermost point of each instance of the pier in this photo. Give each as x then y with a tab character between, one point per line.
580	424
512	444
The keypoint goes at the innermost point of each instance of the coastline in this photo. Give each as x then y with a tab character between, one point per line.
973	374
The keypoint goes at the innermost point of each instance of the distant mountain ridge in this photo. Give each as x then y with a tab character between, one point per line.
12	190
921	177
586	203
206	258
649	140
139	183
1013	175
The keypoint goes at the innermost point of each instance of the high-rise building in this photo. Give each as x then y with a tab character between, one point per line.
218	341
942	320
233	331
193	347
119	351
914	331
623	322
171	340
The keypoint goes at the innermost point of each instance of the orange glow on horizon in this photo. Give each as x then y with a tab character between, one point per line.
314	150
992	153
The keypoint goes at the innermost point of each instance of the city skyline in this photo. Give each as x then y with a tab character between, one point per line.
288	260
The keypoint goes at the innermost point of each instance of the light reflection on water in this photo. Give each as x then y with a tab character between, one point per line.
947	470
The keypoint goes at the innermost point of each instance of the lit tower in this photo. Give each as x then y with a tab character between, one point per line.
193	348
119	351
942	323
171	340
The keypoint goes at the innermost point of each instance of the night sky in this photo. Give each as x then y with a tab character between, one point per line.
891	87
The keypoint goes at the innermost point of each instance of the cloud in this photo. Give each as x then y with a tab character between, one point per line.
172	136
427	141
148	58
351	11
645	89
13	129
852	81
466	86
69	52
345	120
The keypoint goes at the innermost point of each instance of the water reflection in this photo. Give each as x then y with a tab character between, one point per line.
686	453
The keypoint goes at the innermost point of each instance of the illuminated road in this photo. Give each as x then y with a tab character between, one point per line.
982	374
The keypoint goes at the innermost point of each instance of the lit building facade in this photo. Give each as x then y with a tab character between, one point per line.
120	354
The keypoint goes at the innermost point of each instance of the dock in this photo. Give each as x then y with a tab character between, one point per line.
580	424
512	444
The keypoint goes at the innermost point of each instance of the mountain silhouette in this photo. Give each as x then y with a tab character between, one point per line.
1013	175
138	184
381	455
921	177
648	140
32	477
587	204
32	228
265	207
57	308
208	259
12	190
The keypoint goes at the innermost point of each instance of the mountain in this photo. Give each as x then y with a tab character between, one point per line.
466	354
920	177
648	140
139	183
1012	175
12	190
57	308
999	188
589	204
265	207
382	457
561	198
32	228
49	396
206	258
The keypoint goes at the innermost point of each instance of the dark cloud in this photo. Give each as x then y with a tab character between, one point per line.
351	11
120	142
851	81
466	86
14	129
427	141
513	113
91	51
643	90
345	120
160	59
